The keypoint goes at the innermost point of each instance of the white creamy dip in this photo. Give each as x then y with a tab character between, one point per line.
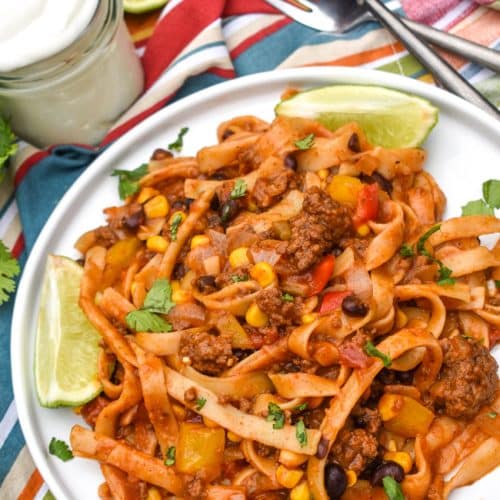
31	30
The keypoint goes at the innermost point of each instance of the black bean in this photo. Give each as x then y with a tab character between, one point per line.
387	468
354	144
337	251
206	284
161	154
229	211
354	306
335	481
134	220
178	205
179	271
290	161
405	377
215	203
227	133
188	202
218	176
384	184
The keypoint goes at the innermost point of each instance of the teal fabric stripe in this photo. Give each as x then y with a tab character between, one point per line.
7	205
11	449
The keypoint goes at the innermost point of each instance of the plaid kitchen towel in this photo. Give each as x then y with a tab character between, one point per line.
189	46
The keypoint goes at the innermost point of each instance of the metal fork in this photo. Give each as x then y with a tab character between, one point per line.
340	15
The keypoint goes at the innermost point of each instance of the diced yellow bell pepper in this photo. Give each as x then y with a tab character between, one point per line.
255	317
122	252
263	273
239	257
156	207
288	478
345	189
301	492
229	326
200	449
404	415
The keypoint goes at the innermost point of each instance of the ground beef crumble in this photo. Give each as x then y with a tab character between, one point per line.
279	311
467	380
354	449
268	190
208	353
320	225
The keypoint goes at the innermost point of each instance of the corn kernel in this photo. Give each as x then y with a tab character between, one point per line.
146	194
176	215
255	317
157	244
308	318
401	318
199	240
291	459
153	494
156	207
389	406
288	477
179	295
323	174
239	257
301	492
400	457
263	273
234	438
391	445
252	207
345	189
351	478
210	423
363	230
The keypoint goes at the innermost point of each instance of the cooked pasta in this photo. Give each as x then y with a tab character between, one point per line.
286	316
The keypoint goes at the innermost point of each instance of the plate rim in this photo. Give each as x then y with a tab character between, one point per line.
313	74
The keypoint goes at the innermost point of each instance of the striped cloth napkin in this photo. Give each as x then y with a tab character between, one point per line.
191	45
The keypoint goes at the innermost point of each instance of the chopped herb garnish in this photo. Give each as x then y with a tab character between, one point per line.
174	226
491	193
492	414
406	251
128	180
8	145
421	242
306	143
444	275
237	278
467	337
146	321
286	297
9	269
497	283
159	297
392	488
300	433
179	143
170	458
60	449
200	403
477	207
371	350
301	407
275	414
239	189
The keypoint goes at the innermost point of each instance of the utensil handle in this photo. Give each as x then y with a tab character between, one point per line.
484	56
440	69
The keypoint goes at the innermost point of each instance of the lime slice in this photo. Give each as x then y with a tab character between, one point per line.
67	345
139	6
388	117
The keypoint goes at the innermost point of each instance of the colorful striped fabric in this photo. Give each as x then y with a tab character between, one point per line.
194	45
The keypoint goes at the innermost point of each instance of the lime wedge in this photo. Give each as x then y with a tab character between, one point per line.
139	6
388	117
67	345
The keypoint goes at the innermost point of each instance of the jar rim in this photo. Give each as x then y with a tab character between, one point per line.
82	51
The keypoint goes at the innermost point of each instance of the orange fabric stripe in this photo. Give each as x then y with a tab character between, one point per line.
32	486
363	57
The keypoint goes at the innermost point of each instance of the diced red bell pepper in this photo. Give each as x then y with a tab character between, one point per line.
321	274
332	301
367	205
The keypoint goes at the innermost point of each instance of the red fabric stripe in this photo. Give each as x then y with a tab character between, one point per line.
181	25
223	73
240	7
18	247
27	164
259	36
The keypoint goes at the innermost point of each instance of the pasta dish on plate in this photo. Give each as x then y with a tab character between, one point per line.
285	315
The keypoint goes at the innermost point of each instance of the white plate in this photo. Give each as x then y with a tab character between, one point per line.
464	150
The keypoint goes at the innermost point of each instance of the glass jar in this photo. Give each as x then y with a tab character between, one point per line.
76	95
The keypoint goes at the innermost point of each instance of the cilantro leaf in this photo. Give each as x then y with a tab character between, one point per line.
477	207
9	269
170	458
306	143
406	251
444	275
497	283
300	433
146	321
128	180
287	297
174	226
492	414
200	403
60	449
421	242
159	297
491	193
301	407
239	190
179	143
371	350
236	278
8	145
392	488
275	414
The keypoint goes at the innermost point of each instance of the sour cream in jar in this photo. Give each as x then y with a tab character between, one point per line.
68	69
